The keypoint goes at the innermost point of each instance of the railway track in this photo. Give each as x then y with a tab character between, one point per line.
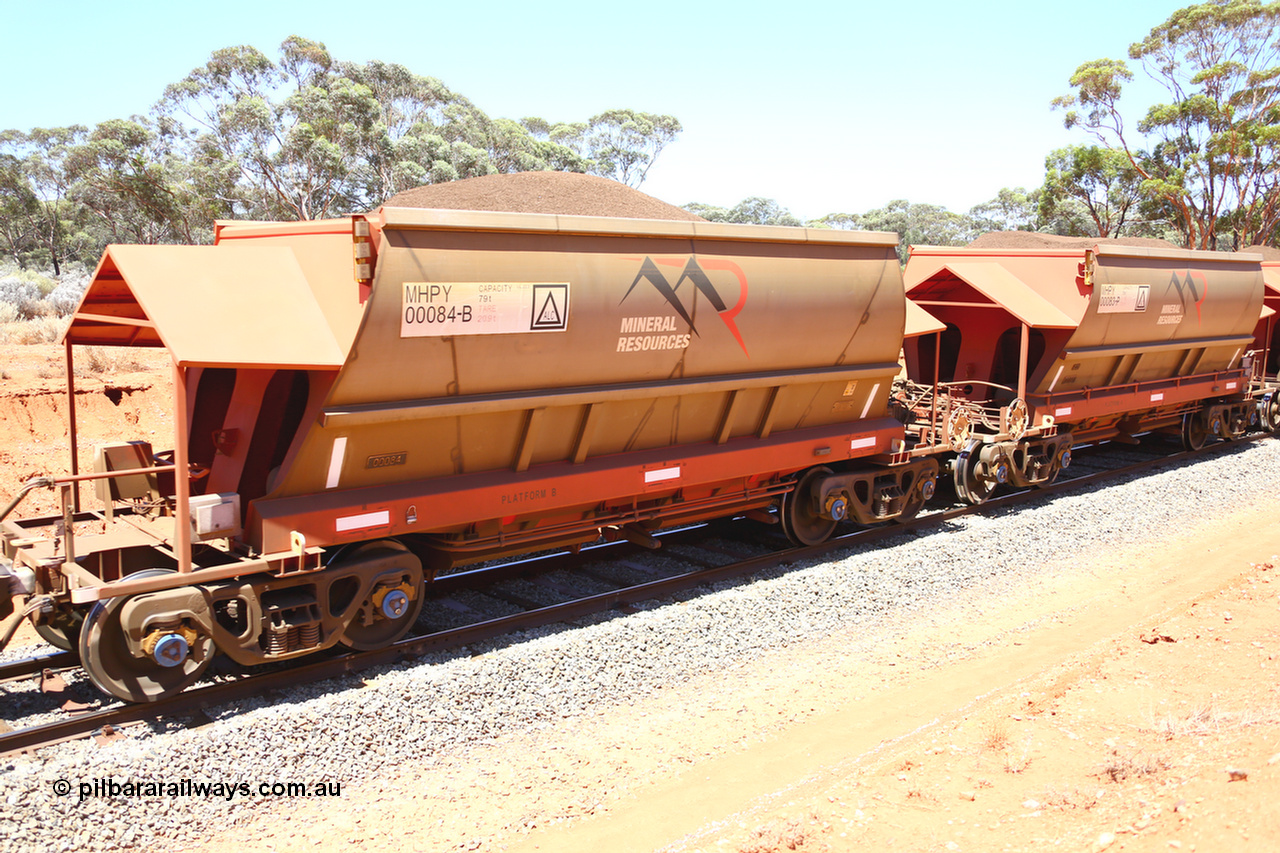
701	555
14	670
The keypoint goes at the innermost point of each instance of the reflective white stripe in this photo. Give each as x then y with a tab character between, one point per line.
870	398
1055	377
1156	398
1065	410
659	474
859	443
336	456
1231	386
366	519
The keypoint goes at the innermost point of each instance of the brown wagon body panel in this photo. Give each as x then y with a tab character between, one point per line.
469	403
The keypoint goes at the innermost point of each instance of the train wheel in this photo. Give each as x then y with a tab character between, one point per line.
391	608
971	486
1269	411
1194	431
800	519
956	466
173	666
921	492
63	630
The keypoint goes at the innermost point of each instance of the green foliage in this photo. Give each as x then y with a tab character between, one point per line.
311	137
1098	184
1011	210
839	222
19	207
750	211
1212	155
42	283
620	144
54	226
290	133
125	174
302	137
920	225
915	224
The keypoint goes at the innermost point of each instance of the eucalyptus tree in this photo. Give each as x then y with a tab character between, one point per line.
310	137
839	221
19	209
1213	151
753	210
51	221
1100	181
1013	209
135	188
405	149
621	144
920	225
294	132
915	224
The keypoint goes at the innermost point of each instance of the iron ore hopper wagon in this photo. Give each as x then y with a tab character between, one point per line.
1038	349
362	403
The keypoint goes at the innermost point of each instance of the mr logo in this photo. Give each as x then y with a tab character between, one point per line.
1186	280
696	274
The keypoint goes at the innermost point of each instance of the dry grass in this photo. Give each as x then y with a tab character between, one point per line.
1059	798
109	360
1207	718
994	735
1120	767
773	838
41	330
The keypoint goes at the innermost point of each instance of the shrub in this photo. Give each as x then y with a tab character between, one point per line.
71	286
24	296
31	295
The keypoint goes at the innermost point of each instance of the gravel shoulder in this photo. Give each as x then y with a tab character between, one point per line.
1125	705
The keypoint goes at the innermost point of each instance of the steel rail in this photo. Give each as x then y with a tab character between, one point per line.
193	701
16	669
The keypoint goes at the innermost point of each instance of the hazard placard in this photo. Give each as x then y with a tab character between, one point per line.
439	308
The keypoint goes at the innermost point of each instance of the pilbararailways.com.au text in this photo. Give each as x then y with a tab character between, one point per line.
226	789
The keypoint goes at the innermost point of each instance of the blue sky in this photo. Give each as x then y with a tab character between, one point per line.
824	106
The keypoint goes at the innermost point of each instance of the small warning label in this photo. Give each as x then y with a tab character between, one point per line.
549	301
